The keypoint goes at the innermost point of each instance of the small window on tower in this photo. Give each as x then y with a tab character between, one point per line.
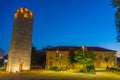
26	16
21	10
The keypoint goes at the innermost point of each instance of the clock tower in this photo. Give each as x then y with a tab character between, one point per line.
19	57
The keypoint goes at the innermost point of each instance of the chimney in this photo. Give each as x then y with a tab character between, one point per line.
84	48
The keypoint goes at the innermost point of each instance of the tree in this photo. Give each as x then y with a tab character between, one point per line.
38	57
71	57
106	60
1	62
1	57
35	57
116	4
85	58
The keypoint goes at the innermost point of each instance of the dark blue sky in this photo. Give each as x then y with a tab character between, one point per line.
63	22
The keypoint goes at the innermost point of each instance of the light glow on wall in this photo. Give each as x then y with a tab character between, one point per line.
25	15
15	15
15	69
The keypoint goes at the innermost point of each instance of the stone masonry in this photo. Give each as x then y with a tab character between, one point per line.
19	57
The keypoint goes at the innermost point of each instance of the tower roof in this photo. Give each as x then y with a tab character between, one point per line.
25	12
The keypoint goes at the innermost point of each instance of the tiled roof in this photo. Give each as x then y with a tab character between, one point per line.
67	48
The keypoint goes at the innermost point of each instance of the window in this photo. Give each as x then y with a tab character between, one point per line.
51	63
60	63
57	62
51	56
101	63
57	54
109	56
106	55
62	56
26	15
112	62
100	56
113	55
96	56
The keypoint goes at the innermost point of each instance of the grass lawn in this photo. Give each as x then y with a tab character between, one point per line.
51	75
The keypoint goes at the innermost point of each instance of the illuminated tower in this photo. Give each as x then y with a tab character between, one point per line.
19	57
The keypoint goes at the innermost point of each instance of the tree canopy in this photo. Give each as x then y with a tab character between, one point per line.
71	57
1	57
38	57
86	58
116	4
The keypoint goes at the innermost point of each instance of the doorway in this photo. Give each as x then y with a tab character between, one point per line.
20	67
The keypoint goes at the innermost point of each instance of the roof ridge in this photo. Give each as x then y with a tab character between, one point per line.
89	48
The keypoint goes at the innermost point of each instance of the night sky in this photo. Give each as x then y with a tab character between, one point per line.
63	23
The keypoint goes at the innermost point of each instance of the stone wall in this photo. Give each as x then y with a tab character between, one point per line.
19	57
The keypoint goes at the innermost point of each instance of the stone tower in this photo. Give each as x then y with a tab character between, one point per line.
19	57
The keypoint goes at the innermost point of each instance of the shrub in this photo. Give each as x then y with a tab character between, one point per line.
55	68
90	67
81	70
112	68
117	69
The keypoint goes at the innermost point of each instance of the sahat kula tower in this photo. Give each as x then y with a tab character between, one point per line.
19	57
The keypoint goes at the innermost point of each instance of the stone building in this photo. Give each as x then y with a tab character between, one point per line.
19	57
57	56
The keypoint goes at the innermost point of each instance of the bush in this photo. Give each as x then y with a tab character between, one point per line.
112	68
117	69
87	72
81	70
55	68
90	67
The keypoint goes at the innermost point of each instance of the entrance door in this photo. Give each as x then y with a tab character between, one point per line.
20	67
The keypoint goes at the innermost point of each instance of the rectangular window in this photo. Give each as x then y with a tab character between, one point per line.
51	57
96	56
50	63
109	56
60	63
112	62
57	55
101	63
100	56
62	56
106	55
113	55
57	62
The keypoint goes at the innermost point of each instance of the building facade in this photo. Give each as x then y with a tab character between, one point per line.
19	56
57	56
